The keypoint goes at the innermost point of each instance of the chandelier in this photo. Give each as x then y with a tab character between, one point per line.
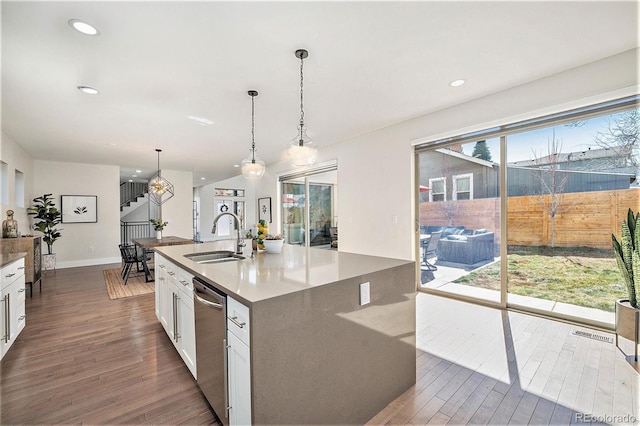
160	189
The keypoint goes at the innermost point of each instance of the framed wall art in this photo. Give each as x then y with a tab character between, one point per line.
79	208
264	209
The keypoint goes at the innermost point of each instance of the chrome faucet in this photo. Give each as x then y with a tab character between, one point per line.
236	219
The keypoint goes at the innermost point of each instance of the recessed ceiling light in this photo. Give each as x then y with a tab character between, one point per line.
83	27
203	178
88	90
236	165
457	83
130	180
138	171
134	175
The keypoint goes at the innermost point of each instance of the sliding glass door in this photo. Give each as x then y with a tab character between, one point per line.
309	210
524	216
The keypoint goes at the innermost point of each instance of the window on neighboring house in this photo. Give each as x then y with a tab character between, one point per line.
463	187
438	189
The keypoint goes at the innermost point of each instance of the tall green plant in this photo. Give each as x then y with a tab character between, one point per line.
627	252
45	209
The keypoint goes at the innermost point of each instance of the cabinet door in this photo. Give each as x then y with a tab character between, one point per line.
187	333
239	381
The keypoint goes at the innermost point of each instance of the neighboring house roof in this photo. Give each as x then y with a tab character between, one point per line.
601	156
462	156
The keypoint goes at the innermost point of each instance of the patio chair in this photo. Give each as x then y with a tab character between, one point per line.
429	246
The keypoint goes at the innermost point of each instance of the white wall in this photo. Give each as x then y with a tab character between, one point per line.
17	159
83	243
178	210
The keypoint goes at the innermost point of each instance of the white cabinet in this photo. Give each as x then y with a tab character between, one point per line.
12	303
174	308
238	363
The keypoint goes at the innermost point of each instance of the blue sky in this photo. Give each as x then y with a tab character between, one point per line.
572	139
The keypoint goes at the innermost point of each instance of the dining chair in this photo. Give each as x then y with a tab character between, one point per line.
130	256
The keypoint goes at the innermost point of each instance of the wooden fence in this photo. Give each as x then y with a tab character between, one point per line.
585	219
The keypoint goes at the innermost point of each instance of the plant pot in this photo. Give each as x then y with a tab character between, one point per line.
158	235
49	261
628	323
273	246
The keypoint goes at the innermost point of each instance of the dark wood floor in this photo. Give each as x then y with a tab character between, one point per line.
85	359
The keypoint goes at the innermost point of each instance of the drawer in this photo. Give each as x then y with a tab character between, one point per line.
184	281
238	320
11	272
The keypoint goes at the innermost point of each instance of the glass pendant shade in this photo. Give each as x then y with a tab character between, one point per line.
302	150
160	189
252	167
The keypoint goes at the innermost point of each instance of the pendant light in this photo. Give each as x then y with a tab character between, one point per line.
160	189
252	167
302	151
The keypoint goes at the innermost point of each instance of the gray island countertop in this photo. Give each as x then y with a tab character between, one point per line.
269	275
319	353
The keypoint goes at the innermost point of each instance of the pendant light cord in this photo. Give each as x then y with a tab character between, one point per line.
158	151
253	134
301	92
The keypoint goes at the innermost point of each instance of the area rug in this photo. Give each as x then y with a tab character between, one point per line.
136	284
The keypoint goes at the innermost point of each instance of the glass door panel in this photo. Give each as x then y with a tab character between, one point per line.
569	188
310	200
459	216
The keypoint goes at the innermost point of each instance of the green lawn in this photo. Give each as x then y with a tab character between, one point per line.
593	282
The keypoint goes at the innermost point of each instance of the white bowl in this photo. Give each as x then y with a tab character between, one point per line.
273	246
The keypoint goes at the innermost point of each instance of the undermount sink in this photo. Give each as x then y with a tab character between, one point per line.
214	256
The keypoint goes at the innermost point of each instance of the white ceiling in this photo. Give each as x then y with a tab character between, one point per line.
370	65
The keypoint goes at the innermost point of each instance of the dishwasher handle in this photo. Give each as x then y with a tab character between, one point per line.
206	302
200	288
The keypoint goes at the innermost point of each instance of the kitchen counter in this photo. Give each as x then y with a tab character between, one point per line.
8	258
269	275
319	353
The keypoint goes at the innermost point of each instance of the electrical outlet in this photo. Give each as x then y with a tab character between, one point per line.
365	295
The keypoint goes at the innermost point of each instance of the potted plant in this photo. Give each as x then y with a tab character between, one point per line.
627	253
158	226
273	243
45	210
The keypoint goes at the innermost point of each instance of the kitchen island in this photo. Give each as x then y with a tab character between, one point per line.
320	353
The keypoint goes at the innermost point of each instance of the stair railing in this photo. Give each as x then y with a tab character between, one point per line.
131	230
131	191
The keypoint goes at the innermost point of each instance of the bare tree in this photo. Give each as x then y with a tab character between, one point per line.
621	135
553	182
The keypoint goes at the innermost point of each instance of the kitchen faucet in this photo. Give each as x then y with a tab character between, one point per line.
236	219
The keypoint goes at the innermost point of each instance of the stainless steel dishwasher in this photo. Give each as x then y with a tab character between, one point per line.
210	309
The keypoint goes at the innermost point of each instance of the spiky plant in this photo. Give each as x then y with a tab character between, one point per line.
627	252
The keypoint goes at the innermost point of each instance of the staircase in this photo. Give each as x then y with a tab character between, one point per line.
132	205
130	194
